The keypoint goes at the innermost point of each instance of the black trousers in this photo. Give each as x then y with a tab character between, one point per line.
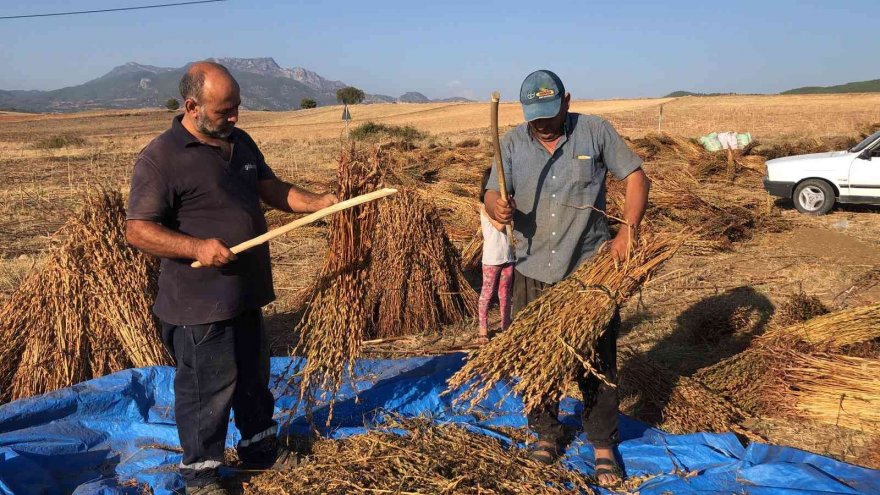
220	366
601	402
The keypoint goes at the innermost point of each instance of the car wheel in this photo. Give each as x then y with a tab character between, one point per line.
813	197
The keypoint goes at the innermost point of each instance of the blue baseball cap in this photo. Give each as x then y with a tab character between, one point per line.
541	95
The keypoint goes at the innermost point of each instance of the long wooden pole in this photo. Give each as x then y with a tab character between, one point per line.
502	181
357	200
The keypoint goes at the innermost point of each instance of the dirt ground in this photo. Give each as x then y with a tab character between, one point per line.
835	257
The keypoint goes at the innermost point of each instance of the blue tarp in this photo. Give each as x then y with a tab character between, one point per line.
98	436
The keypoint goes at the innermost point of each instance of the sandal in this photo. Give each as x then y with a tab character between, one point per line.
609	467
543	451
482	338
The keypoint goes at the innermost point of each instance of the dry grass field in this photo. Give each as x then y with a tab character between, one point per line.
48	160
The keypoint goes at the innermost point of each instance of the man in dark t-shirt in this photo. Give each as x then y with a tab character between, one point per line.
195	191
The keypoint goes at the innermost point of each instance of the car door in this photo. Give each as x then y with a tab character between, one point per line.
864	174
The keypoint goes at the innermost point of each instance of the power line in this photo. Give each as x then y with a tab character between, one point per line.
142	7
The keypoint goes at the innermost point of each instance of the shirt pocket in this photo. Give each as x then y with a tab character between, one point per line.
584	165
586	179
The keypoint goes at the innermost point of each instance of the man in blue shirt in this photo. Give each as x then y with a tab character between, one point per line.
555	164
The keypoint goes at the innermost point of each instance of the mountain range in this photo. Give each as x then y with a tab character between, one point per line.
853	87
265	85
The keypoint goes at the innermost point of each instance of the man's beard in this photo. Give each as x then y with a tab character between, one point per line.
203	124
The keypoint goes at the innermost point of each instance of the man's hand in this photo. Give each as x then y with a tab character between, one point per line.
622	244
213	252
325	200
504	209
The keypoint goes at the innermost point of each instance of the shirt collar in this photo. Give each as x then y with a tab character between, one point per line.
567	126
185	138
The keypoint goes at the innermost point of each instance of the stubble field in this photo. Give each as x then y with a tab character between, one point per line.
48	160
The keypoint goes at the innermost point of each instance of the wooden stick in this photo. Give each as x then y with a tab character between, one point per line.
256	241
502	181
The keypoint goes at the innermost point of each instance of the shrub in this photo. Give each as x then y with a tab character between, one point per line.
374	130
59	141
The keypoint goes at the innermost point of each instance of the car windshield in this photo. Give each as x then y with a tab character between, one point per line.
864	144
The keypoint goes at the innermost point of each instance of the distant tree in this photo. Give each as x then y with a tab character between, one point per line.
172	104
350	95
308	103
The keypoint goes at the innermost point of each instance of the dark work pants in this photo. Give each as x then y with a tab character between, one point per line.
220	365
601	404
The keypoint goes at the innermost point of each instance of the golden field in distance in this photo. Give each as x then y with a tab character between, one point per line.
766	117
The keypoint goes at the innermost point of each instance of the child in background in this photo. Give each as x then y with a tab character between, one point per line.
497	267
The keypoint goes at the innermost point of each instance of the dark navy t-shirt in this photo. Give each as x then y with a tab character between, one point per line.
189	187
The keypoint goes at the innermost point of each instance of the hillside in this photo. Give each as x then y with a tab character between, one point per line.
265	85
853	87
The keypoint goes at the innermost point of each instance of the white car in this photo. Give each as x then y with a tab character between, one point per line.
814	182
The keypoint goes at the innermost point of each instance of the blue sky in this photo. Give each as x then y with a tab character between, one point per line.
601	49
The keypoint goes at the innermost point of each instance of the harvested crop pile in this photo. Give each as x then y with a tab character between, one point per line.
798	308
689	156
472	253
85	311
557	333
337	317
448	176
827	387
415	283
837	330
678	404
417	456
390	271
812	145
786	360
692	187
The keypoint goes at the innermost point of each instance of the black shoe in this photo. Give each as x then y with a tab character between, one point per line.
267	454
212	488
544	451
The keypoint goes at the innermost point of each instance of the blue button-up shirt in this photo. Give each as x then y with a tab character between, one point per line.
554	225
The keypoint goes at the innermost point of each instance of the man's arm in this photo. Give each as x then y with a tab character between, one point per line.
635	203
158	240
287	197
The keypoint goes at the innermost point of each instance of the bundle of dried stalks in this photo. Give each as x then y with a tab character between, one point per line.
693	187
798	308
126	281
829	388
54	337
718	214
390	271
749	377
688	154
834	331
85	311
417	456
472	254
449	176
338	316
678	404
415	280
557	333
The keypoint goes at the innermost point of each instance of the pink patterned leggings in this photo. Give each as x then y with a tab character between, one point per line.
502	277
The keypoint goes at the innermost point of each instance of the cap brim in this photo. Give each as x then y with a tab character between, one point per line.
543	110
